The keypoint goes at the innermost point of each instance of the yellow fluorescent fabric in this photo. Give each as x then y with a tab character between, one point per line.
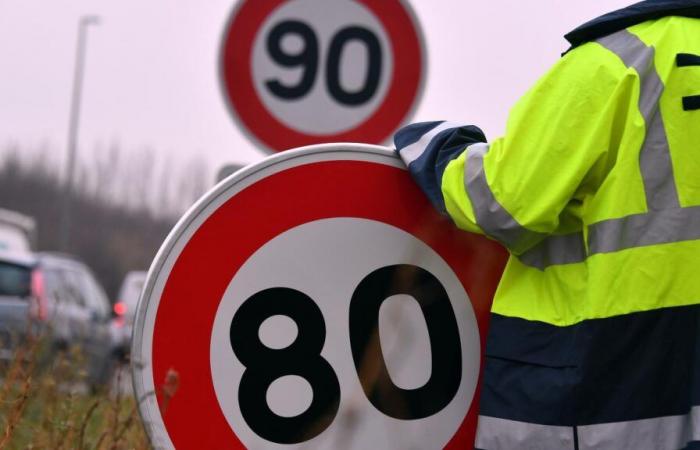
682	126
457	203
563	295
570	158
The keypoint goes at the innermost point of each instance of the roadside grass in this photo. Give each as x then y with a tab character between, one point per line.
45	403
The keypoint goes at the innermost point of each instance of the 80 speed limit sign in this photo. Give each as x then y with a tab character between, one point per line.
300	72
315	300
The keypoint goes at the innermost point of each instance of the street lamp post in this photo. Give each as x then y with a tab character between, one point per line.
73	126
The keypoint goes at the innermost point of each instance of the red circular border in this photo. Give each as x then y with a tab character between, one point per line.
252	217
404	86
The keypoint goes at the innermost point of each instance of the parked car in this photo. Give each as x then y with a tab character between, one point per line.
17	303
63	299
17	232
125	311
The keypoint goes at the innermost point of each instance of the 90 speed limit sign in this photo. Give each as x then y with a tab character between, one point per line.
301	72
315	300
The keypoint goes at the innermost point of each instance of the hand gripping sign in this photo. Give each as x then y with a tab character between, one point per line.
315	300
301	72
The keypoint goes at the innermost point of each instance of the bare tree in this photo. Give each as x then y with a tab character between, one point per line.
193	182
118	224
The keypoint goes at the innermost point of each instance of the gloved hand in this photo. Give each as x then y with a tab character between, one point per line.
413	140
427	147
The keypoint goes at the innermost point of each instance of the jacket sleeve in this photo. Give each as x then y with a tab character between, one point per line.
559	144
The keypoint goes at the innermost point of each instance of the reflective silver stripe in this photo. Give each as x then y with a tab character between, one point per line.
609	236
655	156
661	433
540	250
665	222
652	228
502	434
490	215
555	250
412	152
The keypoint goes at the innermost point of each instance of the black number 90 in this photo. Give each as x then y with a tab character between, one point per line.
308	57
303	357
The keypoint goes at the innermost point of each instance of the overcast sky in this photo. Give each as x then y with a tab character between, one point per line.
151	78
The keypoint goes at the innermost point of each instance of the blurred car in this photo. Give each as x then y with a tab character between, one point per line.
17	303
17	232
125	311
57	294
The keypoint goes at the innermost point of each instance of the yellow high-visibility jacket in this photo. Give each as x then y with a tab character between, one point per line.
595	190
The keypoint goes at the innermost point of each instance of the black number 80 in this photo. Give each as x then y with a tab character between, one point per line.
303	357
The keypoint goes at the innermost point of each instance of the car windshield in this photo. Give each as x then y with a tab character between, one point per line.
15	280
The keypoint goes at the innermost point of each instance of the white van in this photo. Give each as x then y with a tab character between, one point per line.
125	311
17	232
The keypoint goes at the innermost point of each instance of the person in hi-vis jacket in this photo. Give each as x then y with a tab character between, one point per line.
595	191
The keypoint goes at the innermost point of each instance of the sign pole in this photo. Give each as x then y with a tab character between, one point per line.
73	125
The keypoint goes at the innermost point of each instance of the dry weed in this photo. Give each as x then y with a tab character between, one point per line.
46	403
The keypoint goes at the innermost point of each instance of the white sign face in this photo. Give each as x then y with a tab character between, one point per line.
306	260
326	73
301	72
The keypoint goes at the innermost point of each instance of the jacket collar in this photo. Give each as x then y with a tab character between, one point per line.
632	15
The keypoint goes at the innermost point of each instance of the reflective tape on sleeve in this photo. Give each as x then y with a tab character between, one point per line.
490	215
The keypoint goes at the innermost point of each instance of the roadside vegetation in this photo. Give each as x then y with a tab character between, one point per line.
122	210
46	403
